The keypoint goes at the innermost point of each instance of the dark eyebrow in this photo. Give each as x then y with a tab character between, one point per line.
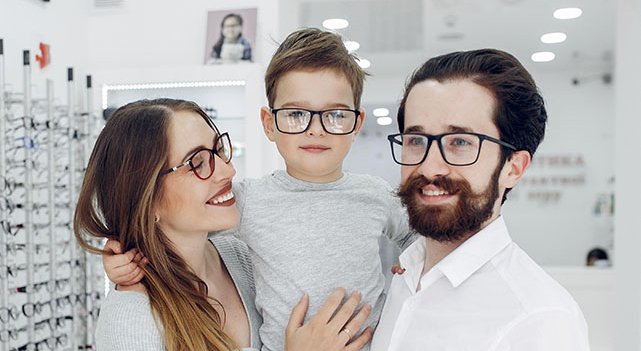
450	129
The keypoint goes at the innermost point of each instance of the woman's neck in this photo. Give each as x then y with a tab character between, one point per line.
199	254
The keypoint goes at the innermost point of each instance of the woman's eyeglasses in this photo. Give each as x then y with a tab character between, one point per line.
203	162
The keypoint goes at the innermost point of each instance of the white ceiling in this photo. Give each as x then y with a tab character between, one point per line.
399	35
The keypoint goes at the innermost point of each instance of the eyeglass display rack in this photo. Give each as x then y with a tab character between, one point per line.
50	288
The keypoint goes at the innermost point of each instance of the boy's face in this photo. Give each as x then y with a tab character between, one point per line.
314	155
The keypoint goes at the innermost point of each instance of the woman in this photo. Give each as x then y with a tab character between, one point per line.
231	45
158	180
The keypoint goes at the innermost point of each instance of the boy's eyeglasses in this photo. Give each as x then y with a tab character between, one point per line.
203	163
297	120
457	149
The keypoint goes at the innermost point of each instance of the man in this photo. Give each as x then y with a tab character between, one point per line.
470	123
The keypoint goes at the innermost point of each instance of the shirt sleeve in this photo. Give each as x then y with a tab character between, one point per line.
554	330
129	326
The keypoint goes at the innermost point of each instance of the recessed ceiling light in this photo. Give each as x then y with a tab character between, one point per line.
364	63
553	38
384	121
568	13
351	45
335	23
381	112
543	56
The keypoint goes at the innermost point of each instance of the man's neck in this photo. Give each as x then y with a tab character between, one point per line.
435	250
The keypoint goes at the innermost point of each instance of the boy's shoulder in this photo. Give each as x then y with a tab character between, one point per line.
368	180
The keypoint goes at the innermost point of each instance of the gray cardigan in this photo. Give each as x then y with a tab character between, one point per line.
125	321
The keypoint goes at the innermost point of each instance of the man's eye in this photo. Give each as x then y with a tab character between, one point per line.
416	141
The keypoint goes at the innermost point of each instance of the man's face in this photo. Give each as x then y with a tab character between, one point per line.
444	202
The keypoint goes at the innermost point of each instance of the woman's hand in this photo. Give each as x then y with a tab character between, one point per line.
123	269
332	328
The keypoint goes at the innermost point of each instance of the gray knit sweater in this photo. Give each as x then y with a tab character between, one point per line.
311	238
126	322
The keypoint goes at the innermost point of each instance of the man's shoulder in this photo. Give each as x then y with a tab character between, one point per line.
531	284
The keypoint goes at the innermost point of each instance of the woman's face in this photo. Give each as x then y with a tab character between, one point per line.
231	28
190	204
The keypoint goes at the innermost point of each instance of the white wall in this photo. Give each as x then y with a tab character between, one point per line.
628	170
158	41
61	24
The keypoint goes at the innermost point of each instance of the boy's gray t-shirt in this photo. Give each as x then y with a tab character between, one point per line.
312	238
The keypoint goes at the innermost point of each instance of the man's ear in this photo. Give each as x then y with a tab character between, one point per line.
515	167
267	119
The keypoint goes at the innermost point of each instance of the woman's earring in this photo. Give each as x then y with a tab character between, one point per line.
156	218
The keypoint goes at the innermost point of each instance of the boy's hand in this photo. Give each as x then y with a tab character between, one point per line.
332	328
123	269
397	269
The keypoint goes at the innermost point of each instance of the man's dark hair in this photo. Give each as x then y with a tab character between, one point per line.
520	114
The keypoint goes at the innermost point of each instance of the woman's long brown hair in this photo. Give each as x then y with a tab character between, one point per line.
122	185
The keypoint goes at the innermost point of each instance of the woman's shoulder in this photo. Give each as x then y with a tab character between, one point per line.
125	321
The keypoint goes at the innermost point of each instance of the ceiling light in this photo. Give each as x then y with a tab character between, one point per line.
553	38
364	63
335	23
384	121
568	13
543	56
381	112
351	45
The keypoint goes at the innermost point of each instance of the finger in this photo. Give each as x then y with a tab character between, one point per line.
354	325
298	315
113	246
345	312
135	279
144	262
326	311
138	257
361	341
123	274
119	260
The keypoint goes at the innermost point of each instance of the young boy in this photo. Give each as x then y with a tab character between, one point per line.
313	227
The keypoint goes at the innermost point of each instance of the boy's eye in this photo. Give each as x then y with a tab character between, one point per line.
295	113
335	114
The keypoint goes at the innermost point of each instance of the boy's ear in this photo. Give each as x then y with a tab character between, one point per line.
267	119
360	119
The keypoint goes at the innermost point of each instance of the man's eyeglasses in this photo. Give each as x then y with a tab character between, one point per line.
457	149
297	120
203	163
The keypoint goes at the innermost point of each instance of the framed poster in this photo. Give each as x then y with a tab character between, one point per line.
231	36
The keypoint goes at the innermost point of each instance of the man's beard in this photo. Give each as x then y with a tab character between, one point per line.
446	223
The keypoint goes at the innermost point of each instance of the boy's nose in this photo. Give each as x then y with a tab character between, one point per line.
315	126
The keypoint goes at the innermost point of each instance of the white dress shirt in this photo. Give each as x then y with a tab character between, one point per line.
487	294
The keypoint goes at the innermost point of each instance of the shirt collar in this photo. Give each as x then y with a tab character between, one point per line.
475	252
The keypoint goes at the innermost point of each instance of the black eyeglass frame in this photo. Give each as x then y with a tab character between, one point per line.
212	162
274	112
482	137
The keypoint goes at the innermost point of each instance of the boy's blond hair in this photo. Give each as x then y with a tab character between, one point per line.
313	49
